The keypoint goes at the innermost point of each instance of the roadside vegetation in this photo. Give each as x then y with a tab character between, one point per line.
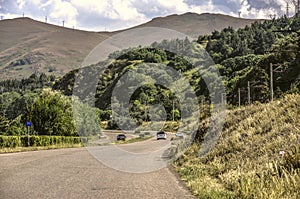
142	137
25	143
257	155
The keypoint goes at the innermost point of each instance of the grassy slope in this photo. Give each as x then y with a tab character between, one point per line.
45	45
246	162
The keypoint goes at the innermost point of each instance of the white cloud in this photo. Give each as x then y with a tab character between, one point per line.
95	6
21	4
173	5
110	14
125	10
263	9
60	10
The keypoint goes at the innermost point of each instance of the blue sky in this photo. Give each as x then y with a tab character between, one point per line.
101	15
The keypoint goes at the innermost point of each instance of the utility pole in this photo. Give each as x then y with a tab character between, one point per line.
271	81
249	97
2	98
287	9
296	4
145	110
297	8
3	106
239	94
223	98
279	69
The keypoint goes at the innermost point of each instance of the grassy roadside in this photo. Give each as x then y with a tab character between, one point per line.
133	140
38	148
257	155
61	146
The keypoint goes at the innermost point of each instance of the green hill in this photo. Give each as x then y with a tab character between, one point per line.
240	56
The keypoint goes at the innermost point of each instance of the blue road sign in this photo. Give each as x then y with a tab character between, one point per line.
28	123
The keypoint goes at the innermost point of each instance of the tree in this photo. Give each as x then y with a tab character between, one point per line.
4	124
51	114
87	119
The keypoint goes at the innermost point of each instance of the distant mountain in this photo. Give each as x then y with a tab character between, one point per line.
27	45
194	24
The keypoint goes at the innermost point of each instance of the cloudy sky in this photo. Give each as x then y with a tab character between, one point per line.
119	14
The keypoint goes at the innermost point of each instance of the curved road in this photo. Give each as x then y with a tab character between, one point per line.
75	173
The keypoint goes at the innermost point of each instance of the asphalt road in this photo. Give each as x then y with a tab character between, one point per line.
76	173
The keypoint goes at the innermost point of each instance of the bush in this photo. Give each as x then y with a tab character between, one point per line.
9	141
38	141
147	133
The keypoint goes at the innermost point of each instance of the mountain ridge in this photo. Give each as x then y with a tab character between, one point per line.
29	46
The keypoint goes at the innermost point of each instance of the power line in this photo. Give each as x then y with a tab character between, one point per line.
271	82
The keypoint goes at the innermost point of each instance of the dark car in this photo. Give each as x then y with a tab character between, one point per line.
121	137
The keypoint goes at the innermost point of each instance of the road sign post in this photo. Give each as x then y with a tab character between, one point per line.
28	125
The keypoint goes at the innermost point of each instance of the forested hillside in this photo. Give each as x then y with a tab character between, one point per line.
242	56
246	54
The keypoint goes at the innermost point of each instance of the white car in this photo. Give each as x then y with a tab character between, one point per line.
161	135
179	135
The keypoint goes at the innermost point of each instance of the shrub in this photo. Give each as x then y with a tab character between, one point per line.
38	141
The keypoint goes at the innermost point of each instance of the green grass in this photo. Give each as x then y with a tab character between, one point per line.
246	161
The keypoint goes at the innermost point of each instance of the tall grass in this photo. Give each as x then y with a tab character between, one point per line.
257	155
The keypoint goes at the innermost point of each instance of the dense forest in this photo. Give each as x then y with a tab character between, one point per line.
243	58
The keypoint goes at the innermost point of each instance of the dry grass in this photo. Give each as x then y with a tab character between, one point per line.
45	45
193	24
247	160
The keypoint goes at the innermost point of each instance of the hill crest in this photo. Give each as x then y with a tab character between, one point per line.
28	45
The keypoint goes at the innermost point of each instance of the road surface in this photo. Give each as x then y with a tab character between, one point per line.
75	173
